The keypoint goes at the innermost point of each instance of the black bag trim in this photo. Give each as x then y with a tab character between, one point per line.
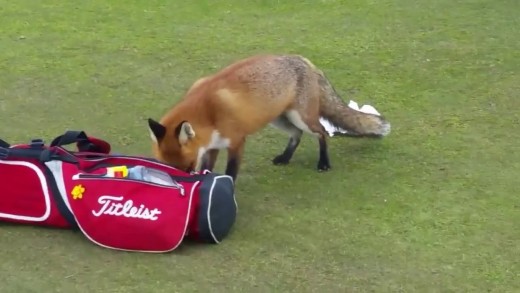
218	207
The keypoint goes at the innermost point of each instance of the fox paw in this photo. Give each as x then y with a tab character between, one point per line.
323	166
281	160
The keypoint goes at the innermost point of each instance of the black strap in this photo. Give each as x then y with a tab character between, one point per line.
79	137
32	152
43	155
189	179
70	136
4	144
8	153
60	203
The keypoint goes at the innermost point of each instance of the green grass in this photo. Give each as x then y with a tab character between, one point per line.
432	208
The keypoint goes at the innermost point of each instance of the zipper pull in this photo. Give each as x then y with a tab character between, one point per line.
180	187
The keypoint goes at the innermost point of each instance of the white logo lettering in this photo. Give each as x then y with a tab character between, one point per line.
112	205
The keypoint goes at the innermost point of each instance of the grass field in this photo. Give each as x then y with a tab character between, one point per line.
434	207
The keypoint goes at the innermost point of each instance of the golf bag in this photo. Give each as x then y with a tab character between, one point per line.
119	202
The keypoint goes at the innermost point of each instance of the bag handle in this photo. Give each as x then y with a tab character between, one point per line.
84	143
70	136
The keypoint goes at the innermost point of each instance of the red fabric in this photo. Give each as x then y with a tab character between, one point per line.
155	218
101	145
26	196
133	215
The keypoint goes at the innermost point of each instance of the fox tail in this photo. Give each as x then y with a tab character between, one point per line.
339	118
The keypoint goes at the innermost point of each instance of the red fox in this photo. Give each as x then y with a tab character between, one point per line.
219	111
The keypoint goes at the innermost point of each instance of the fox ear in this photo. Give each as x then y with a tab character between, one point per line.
157	130
184	131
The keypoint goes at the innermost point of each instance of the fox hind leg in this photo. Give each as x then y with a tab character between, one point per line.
323	162
295	135
314	127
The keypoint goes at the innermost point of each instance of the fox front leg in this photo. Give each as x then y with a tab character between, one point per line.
235	153
209	160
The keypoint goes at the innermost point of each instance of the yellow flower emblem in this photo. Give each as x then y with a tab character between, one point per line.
77	192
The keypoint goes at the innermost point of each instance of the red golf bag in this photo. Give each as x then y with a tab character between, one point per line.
119	202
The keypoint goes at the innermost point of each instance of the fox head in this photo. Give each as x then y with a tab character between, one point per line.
177	146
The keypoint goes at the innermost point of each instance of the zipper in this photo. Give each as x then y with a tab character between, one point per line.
102	177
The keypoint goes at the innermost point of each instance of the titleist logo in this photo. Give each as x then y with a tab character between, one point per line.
112	205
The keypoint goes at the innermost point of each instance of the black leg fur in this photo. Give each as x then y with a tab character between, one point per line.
285	157
234	160
323	162
232	168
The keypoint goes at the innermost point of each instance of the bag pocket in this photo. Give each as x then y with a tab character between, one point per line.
217	209
25	194
127	214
